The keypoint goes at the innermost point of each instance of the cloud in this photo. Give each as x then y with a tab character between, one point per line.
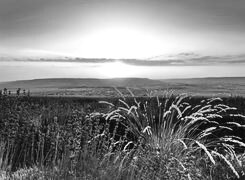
182	59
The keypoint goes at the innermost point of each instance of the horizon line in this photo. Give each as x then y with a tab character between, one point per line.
206	77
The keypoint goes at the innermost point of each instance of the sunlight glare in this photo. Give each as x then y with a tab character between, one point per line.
116	70
119	42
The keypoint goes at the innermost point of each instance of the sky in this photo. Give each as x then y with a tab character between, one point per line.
121	38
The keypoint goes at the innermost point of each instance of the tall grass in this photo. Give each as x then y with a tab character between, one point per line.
174	138
158	138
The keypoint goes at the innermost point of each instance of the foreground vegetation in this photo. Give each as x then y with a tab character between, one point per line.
147	138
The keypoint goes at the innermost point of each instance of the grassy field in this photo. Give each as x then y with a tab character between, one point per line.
165	137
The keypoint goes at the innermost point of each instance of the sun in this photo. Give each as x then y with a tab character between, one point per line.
119	43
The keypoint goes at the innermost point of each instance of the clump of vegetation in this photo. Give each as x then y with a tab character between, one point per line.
177	140
155	138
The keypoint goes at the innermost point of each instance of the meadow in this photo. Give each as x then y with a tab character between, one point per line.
163	137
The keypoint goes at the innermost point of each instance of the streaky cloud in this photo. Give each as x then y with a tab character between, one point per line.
182	59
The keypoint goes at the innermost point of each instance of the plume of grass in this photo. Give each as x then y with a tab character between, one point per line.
158	128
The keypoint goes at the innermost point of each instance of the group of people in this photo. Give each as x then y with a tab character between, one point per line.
6	92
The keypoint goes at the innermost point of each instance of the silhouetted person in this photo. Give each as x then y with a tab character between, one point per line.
24	92
18	92
5	91
9	92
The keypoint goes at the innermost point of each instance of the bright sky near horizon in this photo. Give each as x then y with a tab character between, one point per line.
194	37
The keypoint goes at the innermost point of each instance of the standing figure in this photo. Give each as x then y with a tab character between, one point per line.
5	91
18	92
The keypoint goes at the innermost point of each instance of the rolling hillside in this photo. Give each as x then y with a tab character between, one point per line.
74	86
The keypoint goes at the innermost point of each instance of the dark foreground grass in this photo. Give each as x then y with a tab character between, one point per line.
149	138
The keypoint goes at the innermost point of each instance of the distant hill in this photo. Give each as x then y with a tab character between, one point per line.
75	83
208	80
223	86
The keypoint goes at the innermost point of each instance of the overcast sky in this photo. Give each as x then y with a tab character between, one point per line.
195	34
